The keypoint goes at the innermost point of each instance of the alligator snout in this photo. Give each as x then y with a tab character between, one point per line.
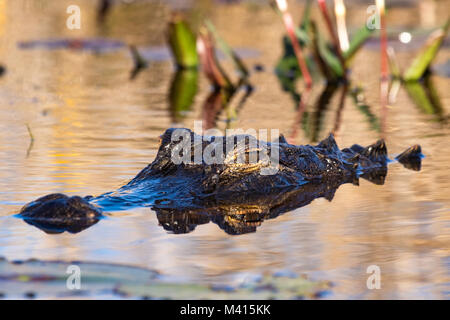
56	213
59	206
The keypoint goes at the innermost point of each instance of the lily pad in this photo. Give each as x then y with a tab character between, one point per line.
49	279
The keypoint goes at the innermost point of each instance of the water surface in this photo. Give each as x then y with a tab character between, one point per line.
94	130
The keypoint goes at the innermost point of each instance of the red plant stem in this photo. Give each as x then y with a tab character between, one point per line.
334	37
384	81
297	49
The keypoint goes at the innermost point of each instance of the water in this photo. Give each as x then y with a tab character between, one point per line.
94	130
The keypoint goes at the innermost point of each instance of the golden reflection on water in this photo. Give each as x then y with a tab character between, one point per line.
94	130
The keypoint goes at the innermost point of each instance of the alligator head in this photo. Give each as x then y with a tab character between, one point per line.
234	181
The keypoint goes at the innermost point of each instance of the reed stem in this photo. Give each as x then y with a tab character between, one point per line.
290	28
334	37
384	81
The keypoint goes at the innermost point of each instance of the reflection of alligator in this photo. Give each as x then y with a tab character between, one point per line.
243	214
233	192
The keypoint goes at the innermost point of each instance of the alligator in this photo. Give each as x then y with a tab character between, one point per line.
247	183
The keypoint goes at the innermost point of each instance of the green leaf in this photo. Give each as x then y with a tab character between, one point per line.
306	16
182	42
330	59
424	59
357	41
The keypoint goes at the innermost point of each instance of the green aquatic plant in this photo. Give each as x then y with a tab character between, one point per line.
294	60
334	38
357	41
327	60
306	18
324	57
183	42
424	59
237	61
213	70
291	29
417	78
224	89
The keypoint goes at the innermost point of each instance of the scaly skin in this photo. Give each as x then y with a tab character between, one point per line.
235	195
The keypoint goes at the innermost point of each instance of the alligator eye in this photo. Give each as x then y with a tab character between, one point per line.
160	141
